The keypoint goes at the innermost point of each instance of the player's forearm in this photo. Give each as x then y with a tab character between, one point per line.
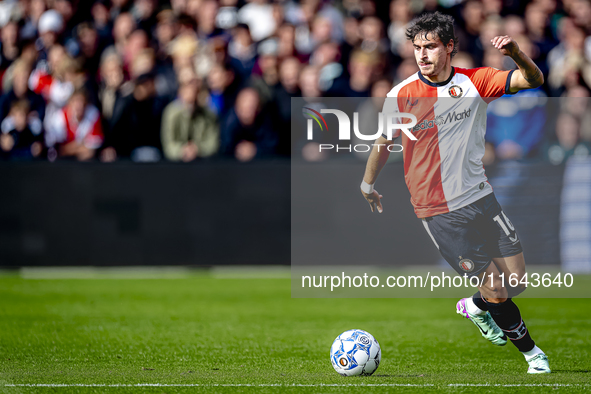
376	161
530	72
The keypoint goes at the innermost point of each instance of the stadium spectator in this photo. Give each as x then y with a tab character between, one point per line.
9	50
400	17
102	23
144	12
21	71
166	30
258	15
223	88
112	80
284	91
123	26
493	8
51	25
539	32
265	74
242	52
326	57
568	140
119	6
406	69
189	130
576	103
469	34
308	150
227	16
371	31
568	62
286	38
514	26
135	124
463	60
21	133
361	69
74	131
137	42
32	12
351	40
206	26
55	86
90	50
247	131
309	78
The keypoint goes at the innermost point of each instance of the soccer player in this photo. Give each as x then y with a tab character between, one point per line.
445	176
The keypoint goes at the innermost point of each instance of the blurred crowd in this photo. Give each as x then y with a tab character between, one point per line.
184	80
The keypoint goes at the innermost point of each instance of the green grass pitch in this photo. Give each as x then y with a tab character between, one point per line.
249	335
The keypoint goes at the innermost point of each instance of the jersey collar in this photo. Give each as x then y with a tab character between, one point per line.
437	84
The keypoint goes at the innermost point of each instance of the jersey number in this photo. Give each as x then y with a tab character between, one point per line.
508	227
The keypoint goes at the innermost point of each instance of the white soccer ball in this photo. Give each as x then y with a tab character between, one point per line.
355	352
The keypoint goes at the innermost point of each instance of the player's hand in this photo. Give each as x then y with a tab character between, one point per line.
506	45
374	201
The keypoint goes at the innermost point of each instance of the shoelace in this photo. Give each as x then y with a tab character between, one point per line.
538	359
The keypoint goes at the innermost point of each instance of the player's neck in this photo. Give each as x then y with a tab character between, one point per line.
442	76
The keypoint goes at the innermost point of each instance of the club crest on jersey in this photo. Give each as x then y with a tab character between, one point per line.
455	91
466	264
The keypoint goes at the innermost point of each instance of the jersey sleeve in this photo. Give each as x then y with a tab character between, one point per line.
490	82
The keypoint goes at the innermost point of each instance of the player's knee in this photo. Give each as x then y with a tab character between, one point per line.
519	287
514	291
494	289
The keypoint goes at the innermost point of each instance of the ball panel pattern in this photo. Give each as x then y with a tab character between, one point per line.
355	352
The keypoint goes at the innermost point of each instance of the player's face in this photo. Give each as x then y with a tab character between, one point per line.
430	54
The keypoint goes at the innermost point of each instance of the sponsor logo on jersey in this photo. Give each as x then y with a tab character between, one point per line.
441	120
455	91
466	264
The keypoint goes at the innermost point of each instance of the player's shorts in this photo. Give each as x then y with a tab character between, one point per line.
469	237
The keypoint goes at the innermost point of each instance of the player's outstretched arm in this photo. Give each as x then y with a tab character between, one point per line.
376	161
530	75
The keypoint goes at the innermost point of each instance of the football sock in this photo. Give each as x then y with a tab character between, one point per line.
479	302
472	308
532	353
506	315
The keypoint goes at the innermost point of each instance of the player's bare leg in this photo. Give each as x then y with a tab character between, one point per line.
498	299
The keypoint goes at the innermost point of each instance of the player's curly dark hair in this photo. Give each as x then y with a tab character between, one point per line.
436	23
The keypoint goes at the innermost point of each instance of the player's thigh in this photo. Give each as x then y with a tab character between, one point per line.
459	241
503	244
502	241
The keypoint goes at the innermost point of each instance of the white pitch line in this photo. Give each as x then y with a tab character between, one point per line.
518	385
297	385
219	385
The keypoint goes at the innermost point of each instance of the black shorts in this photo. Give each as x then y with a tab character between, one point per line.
469	237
